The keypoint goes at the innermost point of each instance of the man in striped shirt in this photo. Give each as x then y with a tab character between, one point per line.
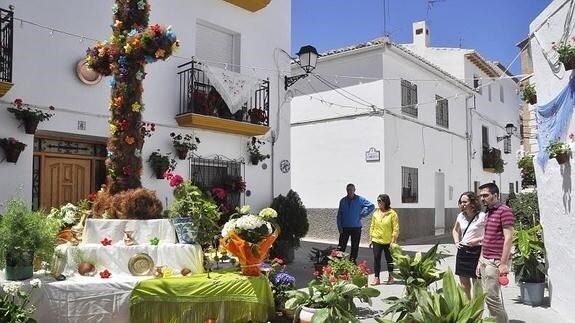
496	250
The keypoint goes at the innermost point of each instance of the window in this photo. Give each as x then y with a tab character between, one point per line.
507	145
408	185
217	44
501	96
484	137
476	187
441	112
511	188
477	84
409	98
516	186
489	92
210	174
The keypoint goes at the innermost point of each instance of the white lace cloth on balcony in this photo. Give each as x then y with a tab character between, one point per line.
235	88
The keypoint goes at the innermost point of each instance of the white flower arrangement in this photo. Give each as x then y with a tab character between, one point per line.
250	227
67	215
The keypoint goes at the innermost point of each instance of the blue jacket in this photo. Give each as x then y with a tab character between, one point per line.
351	211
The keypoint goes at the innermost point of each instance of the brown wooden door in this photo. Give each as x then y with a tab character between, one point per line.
64	180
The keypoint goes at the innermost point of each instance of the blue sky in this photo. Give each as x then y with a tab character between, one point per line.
492	27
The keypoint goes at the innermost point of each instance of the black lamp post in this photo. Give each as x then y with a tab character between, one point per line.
510	129
307	61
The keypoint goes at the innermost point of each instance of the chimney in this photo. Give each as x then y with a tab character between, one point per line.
421	37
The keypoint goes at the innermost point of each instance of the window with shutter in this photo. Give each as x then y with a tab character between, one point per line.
218	46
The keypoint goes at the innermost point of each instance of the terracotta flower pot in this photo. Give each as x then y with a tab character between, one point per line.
12	154
182	153
562	158
30	125
569	64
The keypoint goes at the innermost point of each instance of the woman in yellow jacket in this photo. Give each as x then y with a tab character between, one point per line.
383	231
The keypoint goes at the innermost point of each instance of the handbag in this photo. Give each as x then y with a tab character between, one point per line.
470	250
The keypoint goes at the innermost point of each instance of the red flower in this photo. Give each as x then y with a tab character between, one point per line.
51	108
156	28
92	197
278	260
106	242
316	273
18	102
105	274
334	253
176	180
127	170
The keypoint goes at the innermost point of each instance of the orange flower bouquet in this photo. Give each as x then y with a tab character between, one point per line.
249	237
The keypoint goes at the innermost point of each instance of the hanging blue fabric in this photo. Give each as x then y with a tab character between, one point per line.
553	119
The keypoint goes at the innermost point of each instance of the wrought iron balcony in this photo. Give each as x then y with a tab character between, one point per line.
201	105
6	46
492	159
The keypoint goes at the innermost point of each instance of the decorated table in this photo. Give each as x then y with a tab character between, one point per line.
226	296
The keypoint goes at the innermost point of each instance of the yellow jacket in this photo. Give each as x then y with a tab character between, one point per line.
384	226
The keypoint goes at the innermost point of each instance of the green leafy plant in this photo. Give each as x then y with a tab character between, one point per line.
190	201
292	220
499	166
565	50
557	147
12	143
417	272
24	111
528	93
446	305
254	146
529	255
15	306
527	171
187	141
161	162
526	209
25	232
333	292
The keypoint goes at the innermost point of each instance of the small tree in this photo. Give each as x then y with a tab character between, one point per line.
292	219
527	171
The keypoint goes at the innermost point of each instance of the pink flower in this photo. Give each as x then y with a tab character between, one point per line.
176	180
18	102
219	193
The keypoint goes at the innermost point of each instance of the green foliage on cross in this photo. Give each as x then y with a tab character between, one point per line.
124	56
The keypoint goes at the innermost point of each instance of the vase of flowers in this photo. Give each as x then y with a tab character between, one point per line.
12	149
254	146
559	150
29	116
183	144
566	53
161	163
249	237
15	305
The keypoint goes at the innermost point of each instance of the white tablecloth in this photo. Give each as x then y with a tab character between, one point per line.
96	230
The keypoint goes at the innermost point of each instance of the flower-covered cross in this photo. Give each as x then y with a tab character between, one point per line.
132	45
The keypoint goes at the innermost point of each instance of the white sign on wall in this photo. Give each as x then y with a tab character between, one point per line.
372	155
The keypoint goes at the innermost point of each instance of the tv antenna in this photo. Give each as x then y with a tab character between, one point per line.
430	4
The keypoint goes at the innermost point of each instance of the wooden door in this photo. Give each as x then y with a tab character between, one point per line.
64	180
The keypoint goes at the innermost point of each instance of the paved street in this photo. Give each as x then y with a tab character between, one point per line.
302	269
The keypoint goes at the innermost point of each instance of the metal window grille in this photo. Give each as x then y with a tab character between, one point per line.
507	145
516	186
441	112
409	98
477	84
485	136
511	188
208	174
409	185
6	44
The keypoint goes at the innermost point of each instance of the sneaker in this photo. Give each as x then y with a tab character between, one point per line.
390	281
375	282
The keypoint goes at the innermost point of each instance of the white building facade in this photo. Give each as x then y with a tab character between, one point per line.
391	121
50	38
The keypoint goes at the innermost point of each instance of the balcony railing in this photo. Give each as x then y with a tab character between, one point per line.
491	158
199	98
6	44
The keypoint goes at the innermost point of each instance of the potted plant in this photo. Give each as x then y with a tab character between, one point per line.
194	214
293	223
566	53
15	304
254	146
529	264
184	144
320	258
257	116
24	234
29	116
330	297
559	150
12	148
161	163
528	93
527	171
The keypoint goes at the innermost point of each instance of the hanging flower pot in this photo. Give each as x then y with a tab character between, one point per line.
182	153
160	171
254	160
12	149
30	125
562	158
569	64
12	154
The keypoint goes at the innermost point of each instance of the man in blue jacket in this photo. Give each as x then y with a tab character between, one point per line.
351	209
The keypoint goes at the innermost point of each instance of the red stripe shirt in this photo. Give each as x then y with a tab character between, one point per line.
498	217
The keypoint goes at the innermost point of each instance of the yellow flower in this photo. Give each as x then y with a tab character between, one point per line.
167	272
128	48
113	129
136	107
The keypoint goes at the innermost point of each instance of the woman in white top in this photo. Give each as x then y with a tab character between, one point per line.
468	236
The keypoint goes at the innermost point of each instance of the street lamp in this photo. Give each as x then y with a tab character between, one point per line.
307	61
510	129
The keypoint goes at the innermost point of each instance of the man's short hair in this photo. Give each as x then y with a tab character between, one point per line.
349	185
491	187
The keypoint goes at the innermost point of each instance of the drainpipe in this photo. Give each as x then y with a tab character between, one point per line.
469	135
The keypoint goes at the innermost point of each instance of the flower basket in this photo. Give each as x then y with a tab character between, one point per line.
12	148
12	154
569	63
182	153
562	158
30	125
250	257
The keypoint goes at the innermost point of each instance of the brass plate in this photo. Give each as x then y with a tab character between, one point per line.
141	264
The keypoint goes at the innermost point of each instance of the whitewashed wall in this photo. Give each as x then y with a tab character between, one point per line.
554	182
44	75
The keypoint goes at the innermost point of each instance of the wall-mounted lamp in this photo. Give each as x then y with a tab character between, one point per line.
510	129
307	61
